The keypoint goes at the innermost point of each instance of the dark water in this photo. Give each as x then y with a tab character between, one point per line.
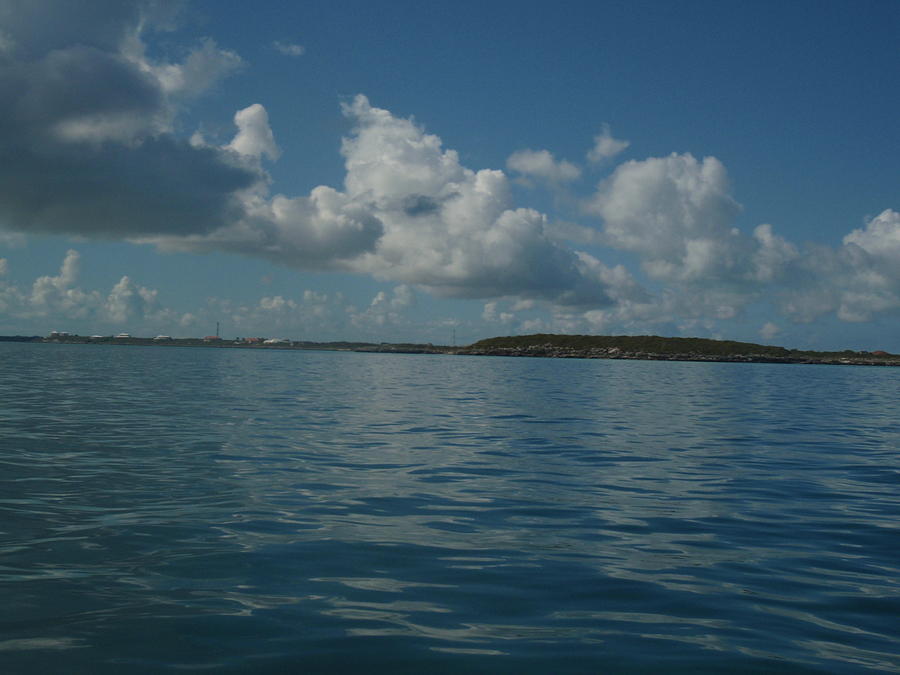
273	512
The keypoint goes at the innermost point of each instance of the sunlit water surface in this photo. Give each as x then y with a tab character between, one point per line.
169	509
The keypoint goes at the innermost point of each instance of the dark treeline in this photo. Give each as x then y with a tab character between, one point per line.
654	344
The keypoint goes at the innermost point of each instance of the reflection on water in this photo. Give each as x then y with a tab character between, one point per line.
329	511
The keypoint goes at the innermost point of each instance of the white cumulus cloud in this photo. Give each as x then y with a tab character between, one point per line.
675	211
541	164
605	146
880	237
254	137
449	228
127	300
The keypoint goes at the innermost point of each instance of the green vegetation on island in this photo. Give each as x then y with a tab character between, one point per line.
654	347
648	344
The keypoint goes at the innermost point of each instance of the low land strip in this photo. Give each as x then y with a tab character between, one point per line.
635	347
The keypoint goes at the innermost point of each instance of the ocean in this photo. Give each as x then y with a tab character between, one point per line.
261	511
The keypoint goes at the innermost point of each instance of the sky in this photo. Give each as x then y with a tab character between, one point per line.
449	171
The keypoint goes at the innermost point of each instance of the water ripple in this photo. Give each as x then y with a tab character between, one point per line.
272	511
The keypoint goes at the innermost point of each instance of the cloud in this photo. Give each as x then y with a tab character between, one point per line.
864	274
463	238
675	212
254	137
88	120
492	315
91	125
58	292
203	68
768	331
409	212
12	239
276	303
541	164
322	231
605	146
127	300
847	281
314	315
59	298
403	297
385	309
880	237
99	25
289	48
773	255
90	117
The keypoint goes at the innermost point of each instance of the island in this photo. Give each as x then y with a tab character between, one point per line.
633	347
655	348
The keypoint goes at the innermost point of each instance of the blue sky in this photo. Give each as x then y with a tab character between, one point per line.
402	171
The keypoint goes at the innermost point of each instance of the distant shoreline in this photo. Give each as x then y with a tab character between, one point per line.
640	348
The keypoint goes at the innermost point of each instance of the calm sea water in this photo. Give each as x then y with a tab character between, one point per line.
167	509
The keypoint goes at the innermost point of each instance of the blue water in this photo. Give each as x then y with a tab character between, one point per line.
169	509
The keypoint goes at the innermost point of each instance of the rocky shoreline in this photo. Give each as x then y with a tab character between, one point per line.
557	352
